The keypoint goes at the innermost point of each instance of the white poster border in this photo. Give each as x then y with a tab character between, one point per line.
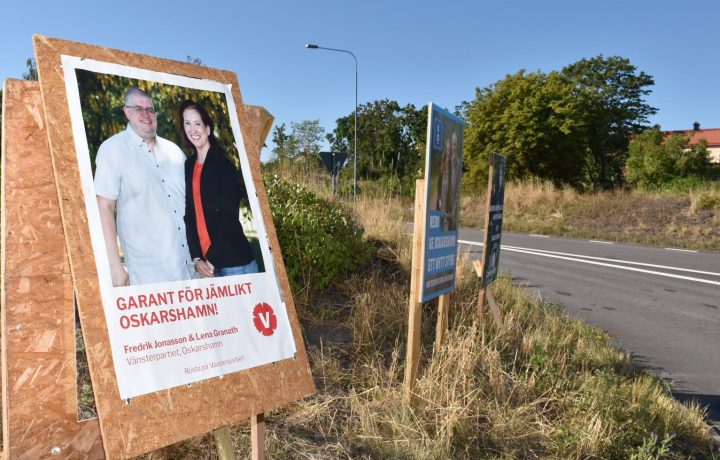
236	298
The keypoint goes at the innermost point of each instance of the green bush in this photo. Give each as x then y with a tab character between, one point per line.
680	185
656	161
708	201
319	239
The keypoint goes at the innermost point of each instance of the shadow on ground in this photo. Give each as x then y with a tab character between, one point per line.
710	402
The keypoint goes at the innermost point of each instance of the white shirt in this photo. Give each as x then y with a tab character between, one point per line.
149	189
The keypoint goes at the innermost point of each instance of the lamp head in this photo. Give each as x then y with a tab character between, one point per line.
311	46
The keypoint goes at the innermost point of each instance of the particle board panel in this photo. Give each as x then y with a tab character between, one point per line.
151	421
259	123
38	315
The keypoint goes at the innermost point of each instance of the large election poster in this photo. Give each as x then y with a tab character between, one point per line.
443	176
172	318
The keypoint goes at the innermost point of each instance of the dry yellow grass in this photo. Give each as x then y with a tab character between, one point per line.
660	218
541	385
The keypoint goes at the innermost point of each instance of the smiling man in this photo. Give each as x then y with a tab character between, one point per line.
140	189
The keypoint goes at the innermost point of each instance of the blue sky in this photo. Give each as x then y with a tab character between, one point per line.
410	51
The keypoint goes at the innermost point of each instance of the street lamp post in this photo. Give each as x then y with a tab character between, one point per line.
316	47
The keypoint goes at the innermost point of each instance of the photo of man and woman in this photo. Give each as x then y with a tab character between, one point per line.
169	187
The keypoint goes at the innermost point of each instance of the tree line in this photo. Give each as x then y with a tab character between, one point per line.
391	142
572	127
584	126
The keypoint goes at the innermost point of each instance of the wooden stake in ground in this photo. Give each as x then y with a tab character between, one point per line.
257	436
445	302
223	443
415	306
485	295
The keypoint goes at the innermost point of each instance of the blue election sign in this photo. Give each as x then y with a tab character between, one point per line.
443	176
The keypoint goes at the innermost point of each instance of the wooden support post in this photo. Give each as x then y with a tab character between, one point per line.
223	444
481	293
493	306
257	435
444	304
485	295
412	358
481	304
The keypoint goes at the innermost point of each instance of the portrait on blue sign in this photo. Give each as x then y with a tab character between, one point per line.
443	178
446	173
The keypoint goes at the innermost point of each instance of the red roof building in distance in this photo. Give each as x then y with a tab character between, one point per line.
711	136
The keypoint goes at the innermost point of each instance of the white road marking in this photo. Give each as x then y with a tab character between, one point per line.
539	236
601	242
592	262
678	269
680	250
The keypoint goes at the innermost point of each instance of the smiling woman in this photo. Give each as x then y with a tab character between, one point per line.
215	236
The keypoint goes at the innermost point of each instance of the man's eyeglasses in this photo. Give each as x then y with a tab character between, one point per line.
139	110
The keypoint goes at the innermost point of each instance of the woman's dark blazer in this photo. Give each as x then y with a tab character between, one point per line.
220	197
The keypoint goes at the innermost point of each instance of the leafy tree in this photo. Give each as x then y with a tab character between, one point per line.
655	160
282	140
533	120
611	94
302	143
571	127
391	139
305	139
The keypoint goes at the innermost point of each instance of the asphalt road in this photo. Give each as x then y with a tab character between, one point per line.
660	304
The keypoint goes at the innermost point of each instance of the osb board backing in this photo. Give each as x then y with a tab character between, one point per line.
38	315
158	419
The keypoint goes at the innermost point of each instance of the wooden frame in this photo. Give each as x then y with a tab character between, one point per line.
158	419
38	314
412	356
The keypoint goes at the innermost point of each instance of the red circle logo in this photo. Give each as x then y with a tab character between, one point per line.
264	319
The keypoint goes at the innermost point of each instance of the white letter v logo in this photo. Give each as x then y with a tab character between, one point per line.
265	319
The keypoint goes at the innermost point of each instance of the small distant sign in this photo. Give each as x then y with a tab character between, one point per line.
494	218
333	161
